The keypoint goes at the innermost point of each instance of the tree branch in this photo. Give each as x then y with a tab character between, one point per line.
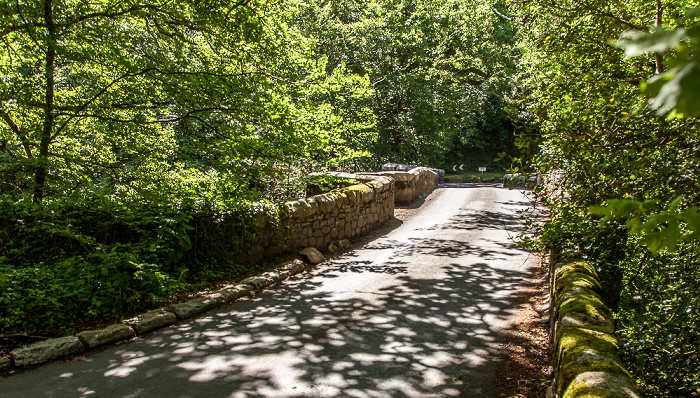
4	148
95	97
18	132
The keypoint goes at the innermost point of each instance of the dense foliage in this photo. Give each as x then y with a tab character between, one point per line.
119	97
141	141
441	72
610	147
94	258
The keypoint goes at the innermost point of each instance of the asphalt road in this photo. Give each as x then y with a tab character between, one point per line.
418	312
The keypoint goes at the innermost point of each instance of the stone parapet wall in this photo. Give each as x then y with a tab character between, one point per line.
411	184
585	350
340	214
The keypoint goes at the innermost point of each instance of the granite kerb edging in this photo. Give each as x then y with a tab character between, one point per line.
585	349
62	347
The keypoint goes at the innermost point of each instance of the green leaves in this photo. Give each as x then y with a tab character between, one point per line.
658	230
425	61
674	92
145	91
660	40
602	138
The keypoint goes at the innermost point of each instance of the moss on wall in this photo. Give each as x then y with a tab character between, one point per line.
586	356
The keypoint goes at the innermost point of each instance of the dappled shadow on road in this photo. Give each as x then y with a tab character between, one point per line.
442	248
416	338
429	331
481	220
388	267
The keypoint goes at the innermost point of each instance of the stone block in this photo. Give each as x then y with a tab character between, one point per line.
349	198
301	208
326	240
258	282
274	275
596	382
293	267
228	294
5	364
367	196
108	335
45	351
151	320
326	203
311	255
193	307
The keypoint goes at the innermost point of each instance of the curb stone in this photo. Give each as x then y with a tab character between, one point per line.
585	349
151	320
293	267
258	282
312	255
276	276
616	385
193	307
110	334
47	350
5	363
229	294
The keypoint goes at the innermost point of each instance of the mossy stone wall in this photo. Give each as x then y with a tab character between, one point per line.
319	220
586	352
340	214
411	184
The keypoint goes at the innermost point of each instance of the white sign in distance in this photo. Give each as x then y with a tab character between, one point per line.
482	169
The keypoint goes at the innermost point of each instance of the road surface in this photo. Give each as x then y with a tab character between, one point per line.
418	312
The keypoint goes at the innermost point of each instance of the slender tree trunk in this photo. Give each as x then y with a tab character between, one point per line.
41	167
659	23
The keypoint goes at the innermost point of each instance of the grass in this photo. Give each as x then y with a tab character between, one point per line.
475	176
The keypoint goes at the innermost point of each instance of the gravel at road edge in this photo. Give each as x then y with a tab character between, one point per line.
526	371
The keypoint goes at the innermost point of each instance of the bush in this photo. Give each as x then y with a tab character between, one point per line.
659	323
69	261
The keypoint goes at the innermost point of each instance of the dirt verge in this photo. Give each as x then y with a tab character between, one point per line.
526	370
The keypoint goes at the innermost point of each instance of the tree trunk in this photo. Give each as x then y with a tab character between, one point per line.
659	23
41	167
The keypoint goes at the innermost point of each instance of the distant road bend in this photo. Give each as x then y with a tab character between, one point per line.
418	312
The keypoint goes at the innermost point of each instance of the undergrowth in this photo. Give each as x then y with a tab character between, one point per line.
66	262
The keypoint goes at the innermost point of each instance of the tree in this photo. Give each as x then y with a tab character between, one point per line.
98	94
600	132
427	62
